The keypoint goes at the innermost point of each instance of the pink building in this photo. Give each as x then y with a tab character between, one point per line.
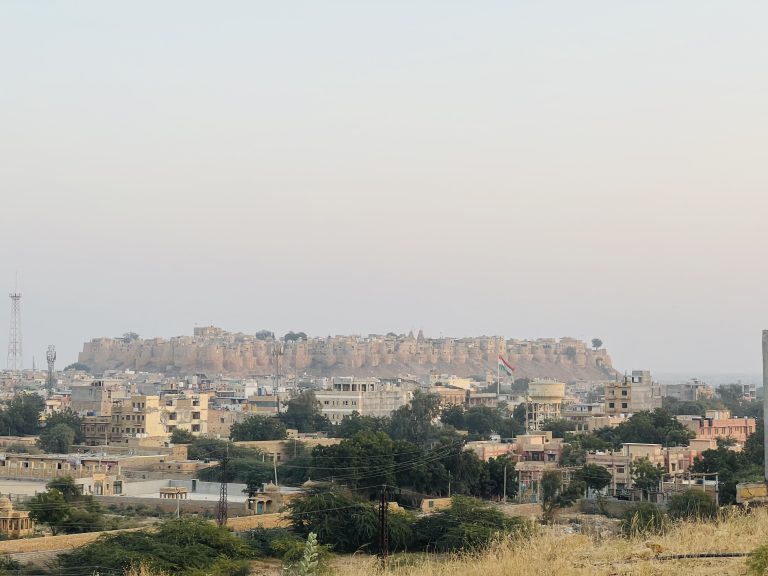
720	424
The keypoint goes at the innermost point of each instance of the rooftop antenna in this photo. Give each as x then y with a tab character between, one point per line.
15	357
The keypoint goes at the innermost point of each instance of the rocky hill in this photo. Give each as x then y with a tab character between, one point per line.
214	351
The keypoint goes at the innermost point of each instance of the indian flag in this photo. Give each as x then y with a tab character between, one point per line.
505	366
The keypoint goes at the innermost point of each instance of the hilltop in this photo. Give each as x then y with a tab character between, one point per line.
215	351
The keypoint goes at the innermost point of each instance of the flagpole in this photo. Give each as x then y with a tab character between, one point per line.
498	376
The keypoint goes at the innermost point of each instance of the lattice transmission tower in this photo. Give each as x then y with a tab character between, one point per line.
15	358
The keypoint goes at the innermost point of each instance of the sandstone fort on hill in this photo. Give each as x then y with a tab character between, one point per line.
213	350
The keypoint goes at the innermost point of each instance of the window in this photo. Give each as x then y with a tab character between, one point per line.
623	392
624	405
620	469
611	405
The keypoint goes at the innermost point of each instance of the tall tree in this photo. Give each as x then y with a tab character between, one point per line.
304	413
258	427
414	422
57	440
646	476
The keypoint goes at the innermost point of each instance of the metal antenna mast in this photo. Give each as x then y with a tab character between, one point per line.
50	382
15	358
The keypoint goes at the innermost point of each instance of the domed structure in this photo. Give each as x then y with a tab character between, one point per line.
14	523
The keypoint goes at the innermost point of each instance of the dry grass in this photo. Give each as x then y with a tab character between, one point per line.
553	552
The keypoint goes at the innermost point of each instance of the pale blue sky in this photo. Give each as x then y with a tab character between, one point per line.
518	168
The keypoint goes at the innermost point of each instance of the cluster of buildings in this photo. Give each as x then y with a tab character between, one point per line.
535	452
129	417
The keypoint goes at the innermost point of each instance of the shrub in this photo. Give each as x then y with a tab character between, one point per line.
468	524
692	505
758	561
644	520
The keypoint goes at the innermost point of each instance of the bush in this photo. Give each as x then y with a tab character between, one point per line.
469	525
758	561
692	505
181	547
645	519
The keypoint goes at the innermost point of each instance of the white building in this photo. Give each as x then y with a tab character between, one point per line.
367	396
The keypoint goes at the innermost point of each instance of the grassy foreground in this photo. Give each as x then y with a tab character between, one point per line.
554	552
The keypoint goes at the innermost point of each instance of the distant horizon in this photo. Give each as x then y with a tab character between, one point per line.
522	168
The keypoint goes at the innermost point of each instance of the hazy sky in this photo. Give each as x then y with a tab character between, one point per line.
524	169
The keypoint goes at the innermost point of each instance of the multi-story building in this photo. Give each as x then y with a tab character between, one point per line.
95	398
367	396
619	462
719	424
449	396
137	417
544	402
632	394
185	412
689	391
220	421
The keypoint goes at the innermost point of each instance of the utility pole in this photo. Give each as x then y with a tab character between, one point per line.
383	527
765	396
274	465
449	483
221	513
505	483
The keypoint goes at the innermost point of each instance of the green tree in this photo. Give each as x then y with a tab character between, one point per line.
181	436
257	427
453	416
339	518
554	495
597	343
304	413
646	476
468	525
414	421
365	461
594	477
657	427
494	479
483	420
49	508
20	416
559	428
576	447
67	487
185	547
64	509
352	424
71	419
57	440
294	336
